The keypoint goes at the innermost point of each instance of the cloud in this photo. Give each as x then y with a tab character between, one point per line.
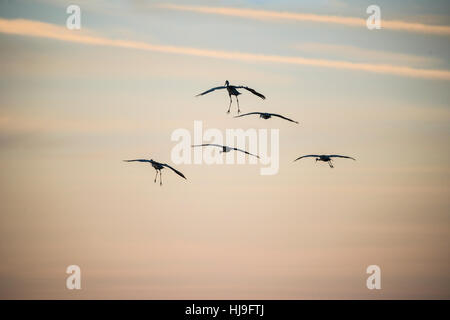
348	52
309	17
46	30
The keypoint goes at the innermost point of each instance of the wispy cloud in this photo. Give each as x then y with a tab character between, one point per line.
309	17
46	30
355	54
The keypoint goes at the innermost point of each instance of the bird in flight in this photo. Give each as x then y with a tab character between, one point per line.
224	148
324	158
158	167
232	91
266	115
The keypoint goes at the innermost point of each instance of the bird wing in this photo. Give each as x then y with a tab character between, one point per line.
207	144
246	114
138	160
307	156
251	154
174	170
338	156
252	91
283	117
210	90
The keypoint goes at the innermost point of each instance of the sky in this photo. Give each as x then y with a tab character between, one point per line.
75	103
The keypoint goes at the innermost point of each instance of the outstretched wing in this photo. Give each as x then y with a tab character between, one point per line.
138	160
308	156
210	90
338	156
207	144
252	91
246	114
283	117
174	170
251	154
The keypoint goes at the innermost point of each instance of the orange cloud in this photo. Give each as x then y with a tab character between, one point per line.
308	17
46	30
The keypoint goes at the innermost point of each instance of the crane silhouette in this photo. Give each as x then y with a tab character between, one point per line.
158	166
224	148
324	158
266	115
232	91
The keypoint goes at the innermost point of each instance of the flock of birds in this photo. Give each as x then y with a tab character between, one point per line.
232	91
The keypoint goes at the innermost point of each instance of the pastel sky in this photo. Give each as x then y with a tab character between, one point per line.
75	103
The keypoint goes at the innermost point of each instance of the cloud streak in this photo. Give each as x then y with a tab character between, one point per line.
354	53
45	30
308	17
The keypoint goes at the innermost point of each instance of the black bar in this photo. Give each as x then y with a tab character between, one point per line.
229	309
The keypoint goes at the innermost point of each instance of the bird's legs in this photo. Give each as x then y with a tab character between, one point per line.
237	100
330	163
229	107
156	175
160	178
